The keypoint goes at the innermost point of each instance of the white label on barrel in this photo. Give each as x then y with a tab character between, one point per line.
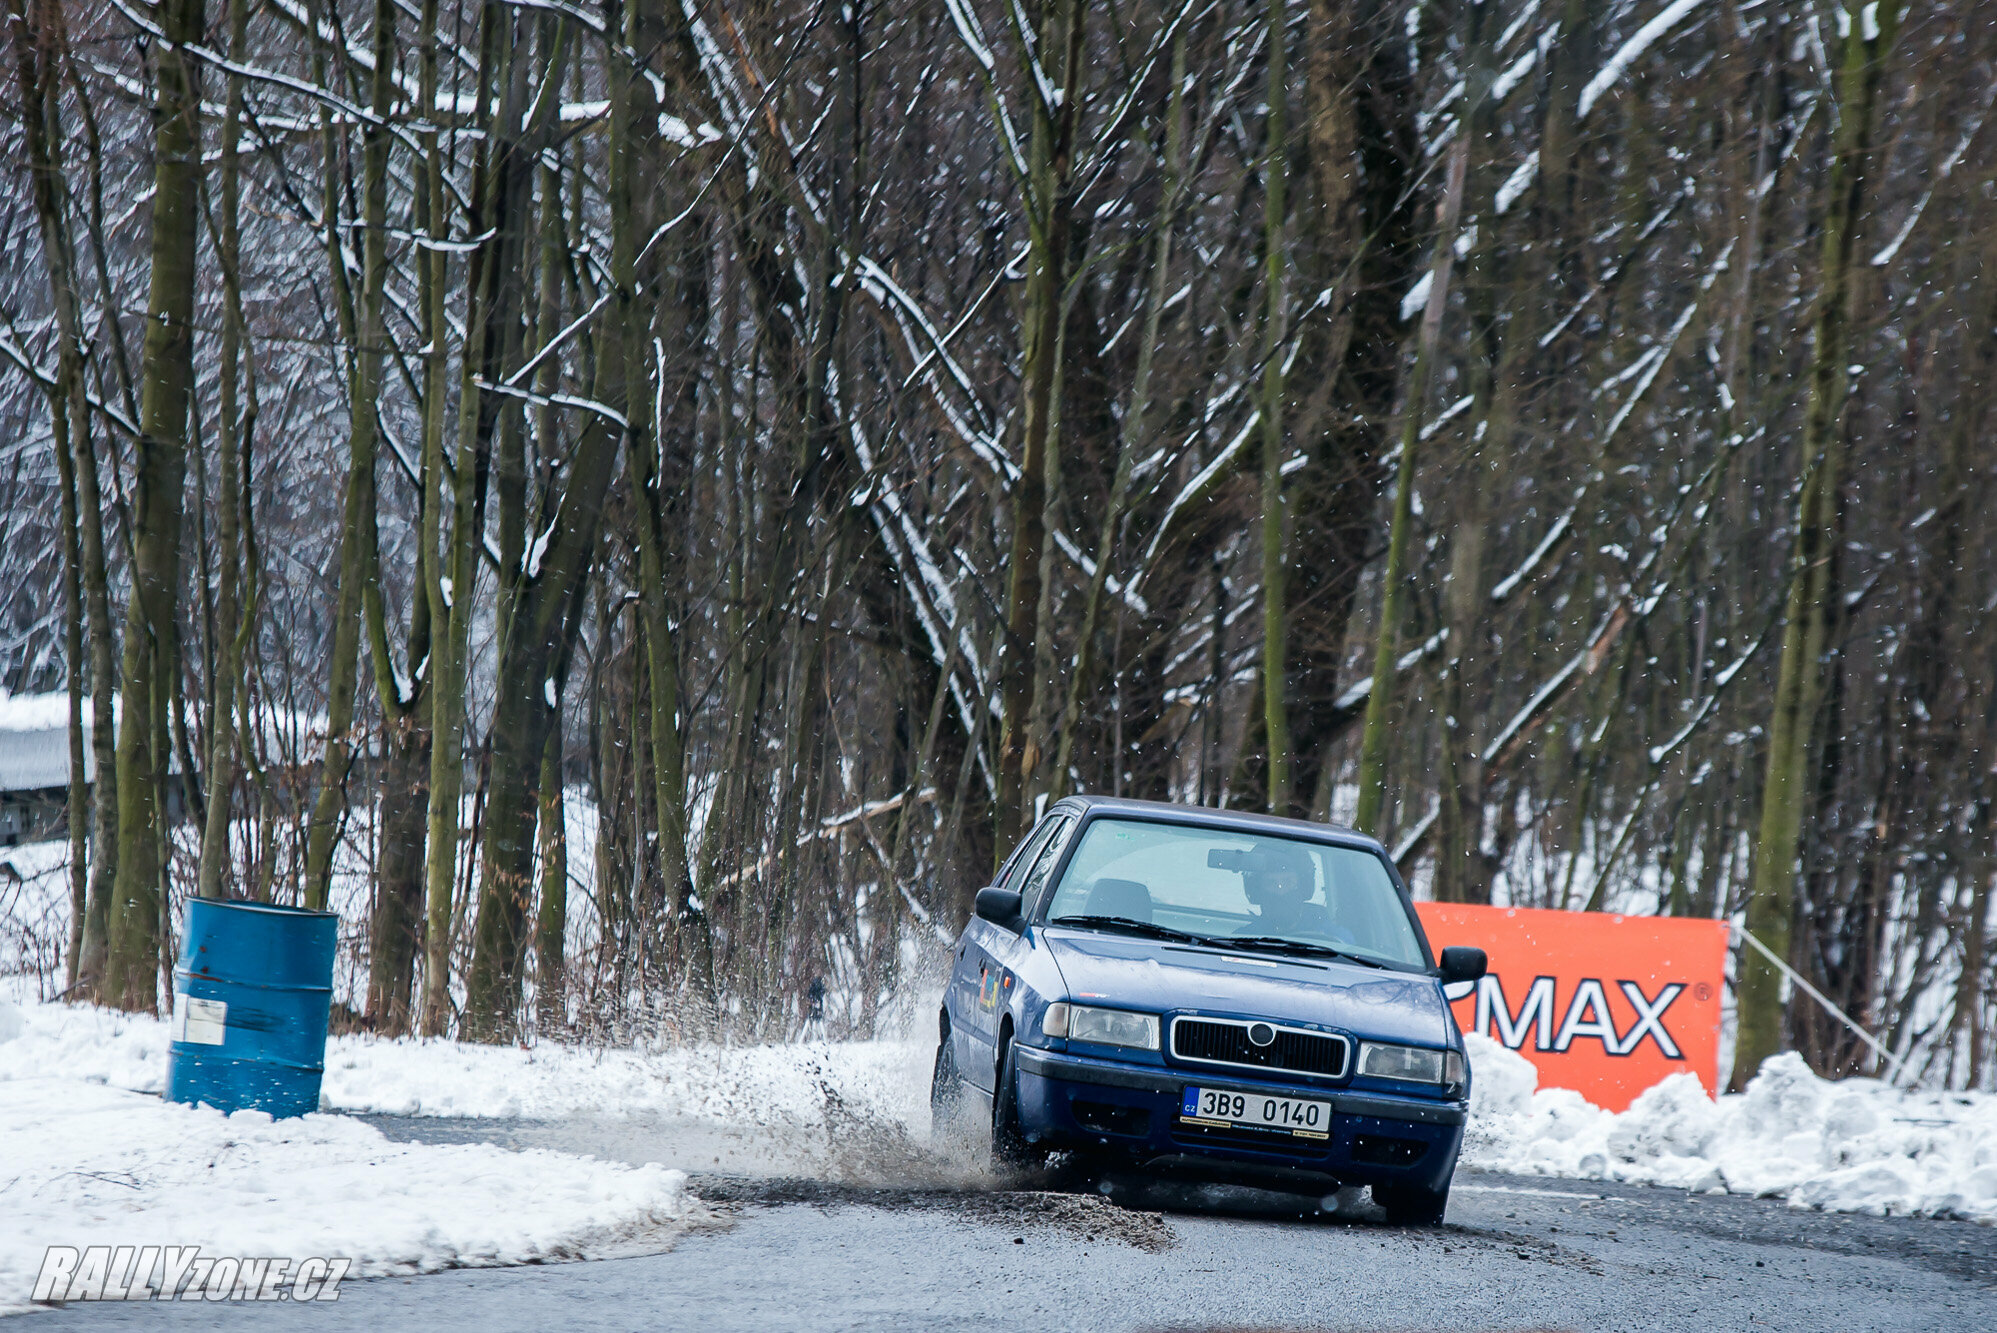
199	1021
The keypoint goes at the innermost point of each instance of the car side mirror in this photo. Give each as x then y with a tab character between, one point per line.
1459	963
1001	907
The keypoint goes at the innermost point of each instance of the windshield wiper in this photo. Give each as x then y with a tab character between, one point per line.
1131	926
1283	945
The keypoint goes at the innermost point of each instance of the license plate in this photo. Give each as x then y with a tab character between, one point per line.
1226	1110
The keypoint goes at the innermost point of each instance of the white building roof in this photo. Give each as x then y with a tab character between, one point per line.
34	742
34	739
36	760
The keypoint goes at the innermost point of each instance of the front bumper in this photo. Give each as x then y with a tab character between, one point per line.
1132	1111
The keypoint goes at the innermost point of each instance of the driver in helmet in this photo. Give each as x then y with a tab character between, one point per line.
1281	891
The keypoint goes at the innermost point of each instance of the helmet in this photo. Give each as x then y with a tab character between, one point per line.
1273	859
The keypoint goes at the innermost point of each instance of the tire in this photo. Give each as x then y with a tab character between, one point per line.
946	1088
1076	1171
1411	1206
1010	1150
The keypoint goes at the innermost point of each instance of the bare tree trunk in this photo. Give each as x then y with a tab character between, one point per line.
1275	184
167	374
546	614
655	448
1379	704
226	669
1952	647
96	576
363	437
1966	1023
39	44
77	804
551	923
1463	869
1137	419
1050	217
1355	254
1812	608
453	568
396	931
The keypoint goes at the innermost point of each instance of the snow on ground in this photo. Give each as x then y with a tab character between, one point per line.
91	1165
800	1084
94	1159
90	1160
1850	1146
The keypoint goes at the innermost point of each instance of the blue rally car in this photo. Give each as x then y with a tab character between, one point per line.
1230	996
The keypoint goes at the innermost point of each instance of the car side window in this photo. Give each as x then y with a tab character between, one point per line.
1029	853
1043	864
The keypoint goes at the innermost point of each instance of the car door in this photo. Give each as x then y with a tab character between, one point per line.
969	1033
989	962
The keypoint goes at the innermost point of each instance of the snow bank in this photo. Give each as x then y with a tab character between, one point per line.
1855	1146
1851	1146
801	1084
92	1159
93	1165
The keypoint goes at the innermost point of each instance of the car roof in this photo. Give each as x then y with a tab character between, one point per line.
1201	816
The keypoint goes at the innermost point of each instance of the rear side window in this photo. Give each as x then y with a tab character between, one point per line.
1027	856
1043	864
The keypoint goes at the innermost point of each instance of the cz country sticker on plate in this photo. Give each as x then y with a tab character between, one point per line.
1221	1109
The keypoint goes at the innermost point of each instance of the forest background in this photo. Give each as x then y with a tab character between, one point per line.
804	438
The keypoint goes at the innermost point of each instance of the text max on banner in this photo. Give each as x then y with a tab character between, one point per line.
1606	1005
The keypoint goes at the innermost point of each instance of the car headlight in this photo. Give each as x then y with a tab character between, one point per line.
1413	1064
1105	1027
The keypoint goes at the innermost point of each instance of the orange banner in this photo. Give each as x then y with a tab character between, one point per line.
1605	1005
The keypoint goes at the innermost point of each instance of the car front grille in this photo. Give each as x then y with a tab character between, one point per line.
1225	1042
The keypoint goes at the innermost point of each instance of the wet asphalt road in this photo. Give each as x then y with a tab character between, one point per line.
786	1252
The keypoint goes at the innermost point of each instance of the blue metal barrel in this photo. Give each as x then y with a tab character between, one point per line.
251	997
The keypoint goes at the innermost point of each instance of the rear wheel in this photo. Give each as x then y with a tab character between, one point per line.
1009	1147
1410	1206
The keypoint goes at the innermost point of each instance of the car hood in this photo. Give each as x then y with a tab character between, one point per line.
1124	971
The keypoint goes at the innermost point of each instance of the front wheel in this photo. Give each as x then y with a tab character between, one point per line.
1009	1147
1411	1206
946	1089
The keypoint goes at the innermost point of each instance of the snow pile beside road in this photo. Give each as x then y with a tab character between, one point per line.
807	1083
85	1043
1855	1146
1850	1146
93	1165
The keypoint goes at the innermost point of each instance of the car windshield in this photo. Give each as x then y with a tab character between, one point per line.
1219	884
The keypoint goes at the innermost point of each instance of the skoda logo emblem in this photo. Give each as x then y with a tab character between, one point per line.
1261	1034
